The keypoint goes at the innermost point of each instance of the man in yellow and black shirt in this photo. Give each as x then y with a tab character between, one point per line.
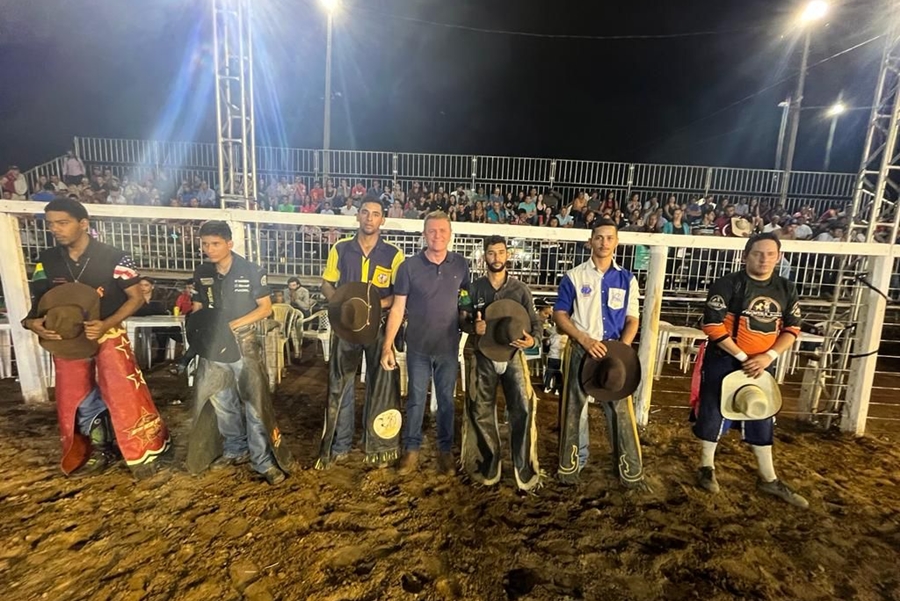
751	317
367	258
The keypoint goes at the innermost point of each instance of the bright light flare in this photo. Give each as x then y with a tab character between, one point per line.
330	6
838	108
814	11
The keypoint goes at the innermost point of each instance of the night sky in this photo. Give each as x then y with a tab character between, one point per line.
142	69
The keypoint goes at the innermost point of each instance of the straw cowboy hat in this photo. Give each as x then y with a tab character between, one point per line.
65	309
505	320
745	398
740	227
615	376
355	312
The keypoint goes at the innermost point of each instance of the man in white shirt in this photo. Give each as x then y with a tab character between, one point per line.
803	231
348	210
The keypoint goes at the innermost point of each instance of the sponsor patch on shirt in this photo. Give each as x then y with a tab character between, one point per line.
381	277
586	290
206	281
616	298
716	303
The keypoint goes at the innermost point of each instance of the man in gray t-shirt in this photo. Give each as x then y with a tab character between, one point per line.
427	290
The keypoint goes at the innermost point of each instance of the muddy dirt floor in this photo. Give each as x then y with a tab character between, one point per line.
353	533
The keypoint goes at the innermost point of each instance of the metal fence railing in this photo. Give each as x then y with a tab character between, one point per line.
185	159
164	243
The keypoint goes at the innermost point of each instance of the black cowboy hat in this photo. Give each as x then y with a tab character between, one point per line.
615	376
65	309
210	336
355	312
506	320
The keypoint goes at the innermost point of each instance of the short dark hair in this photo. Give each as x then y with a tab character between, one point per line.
294	279
215	228
147	278
48	186
604	222
759	238
369	198
492	240
67	205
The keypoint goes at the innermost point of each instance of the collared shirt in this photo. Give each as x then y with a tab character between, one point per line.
235	292
432	304
106	268
599	301
347	263
481	294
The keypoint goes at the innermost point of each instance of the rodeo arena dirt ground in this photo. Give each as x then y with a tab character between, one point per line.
356	533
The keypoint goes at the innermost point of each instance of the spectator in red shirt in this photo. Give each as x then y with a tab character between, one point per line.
14	183
317	194
359	190
183	302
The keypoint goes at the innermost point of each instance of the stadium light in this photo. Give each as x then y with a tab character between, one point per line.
836	109
330	6
814	11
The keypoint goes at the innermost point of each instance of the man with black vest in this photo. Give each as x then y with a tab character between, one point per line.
501	314
231	295
598	300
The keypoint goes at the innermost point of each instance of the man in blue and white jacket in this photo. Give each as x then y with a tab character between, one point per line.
598	300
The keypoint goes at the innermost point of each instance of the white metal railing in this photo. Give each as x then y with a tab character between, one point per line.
188	158
674	272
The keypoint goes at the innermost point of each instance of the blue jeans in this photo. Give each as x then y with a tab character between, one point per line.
239	424
90	408
420	368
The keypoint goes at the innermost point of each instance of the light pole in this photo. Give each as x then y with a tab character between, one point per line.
785	106
330	7
814	11
835	111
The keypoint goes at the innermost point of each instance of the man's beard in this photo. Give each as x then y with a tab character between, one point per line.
493	269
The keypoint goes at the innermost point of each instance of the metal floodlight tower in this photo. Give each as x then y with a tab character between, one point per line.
235	123
874	216
874	208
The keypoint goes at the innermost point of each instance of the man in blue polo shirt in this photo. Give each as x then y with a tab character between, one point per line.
428	290
367	258
598	300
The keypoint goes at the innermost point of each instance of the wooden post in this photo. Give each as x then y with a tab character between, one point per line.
18	302
650	313
868	337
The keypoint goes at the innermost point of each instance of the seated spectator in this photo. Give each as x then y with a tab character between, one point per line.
802	230
325	209
774	224
185	193
706	226
496	213
669	209
477	214
633	204
183	304
396	210
723	222
298	296
206	196
278	297
651	206
677	225
545	216
635	220
318	193
742	207
695	208
554	222
115	196
331	194
553	199
58	186
299	190
564	218
153	306
609	203
358	190
47	193
399	194
284	204
14	183
529	205
375	190
349	209
834	233
411	211
307	205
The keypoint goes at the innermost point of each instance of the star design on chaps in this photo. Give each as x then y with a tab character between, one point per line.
138	378
146	428
124	347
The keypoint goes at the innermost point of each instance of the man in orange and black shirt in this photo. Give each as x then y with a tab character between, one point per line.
751	317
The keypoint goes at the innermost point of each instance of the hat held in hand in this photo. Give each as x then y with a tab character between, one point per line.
505	322
745	398
354	312
65	309
613	377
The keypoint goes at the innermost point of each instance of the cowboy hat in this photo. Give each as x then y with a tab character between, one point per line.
65	309
505	320
740	227
745	398
355	312
209	335
615	376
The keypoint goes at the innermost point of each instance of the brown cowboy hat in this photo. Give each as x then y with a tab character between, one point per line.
506	320
615	376
355	312
65	309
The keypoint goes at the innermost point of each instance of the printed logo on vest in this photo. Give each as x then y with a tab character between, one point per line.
716	303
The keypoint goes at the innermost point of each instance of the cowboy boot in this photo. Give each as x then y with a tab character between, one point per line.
102	448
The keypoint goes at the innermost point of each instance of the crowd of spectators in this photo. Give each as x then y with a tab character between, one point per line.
710	216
